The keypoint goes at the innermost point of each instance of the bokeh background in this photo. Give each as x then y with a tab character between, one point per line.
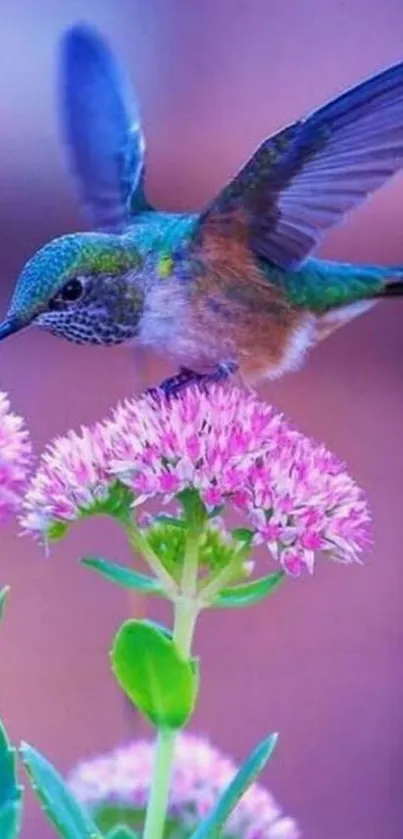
323	661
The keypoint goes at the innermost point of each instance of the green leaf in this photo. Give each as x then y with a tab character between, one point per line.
211	827
245	594
60	806
150	670
3	599
10	790
124	577
122	832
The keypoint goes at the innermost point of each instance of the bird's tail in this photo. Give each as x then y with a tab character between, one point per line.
393	284
362	288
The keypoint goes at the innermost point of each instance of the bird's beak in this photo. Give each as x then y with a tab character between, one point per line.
9	326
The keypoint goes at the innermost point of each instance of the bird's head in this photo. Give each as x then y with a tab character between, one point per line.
82	287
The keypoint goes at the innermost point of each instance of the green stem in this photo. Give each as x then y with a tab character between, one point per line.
140	544
158	801
186	611
186	608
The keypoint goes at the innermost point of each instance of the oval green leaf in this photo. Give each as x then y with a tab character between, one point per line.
148	667
246	594
58	803
10	789
124	577
210	828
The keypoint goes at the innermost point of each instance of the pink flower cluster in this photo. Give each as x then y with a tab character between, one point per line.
73	476
230	446
15	459
200	774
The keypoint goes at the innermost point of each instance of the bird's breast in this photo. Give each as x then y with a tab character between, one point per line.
171	323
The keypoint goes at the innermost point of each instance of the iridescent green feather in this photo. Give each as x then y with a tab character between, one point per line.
161	232
320	285
70	256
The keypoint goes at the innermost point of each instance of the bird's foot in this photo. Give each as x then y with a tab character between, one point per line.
185	377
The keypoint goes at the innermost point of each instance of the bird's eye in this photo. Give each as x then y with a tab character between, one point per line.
72	291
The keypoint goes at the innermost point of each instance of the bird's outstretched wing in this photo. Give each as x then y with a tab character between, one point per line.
100	124
303	180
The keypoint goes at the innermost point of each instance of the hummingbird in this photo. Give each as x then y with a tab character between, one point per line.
234	287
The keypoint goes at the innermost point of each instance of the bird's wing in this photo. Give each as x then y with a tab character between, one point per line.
303	180
101	126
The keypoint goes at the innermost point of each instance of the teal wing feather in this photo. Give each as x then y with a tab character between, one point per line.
321	285
100	123
304	180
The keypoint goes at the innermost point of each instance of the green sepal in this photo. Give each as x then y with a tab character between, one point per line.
244	778
56	531
246	594
148	667
124	577
58	803
10	790
121	831
3	600
243	534
168	542
117	504
214	551
193	507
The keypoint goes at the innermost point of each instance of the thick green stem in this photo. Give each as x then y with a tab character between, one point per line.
186	614
186	611
158	801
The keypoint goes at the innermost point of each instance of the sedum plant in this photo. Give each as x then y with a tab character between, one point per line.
227	473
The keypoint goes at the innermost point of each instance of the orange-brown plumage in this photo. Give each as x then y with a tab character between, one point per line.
233	300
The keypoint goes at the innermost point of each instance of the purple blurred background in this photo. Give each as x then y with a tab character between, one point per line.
323	662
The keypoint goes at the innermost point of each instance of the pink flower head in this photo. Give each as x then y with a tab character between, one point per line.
72	476
206	440
231	447
200	775
15	458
